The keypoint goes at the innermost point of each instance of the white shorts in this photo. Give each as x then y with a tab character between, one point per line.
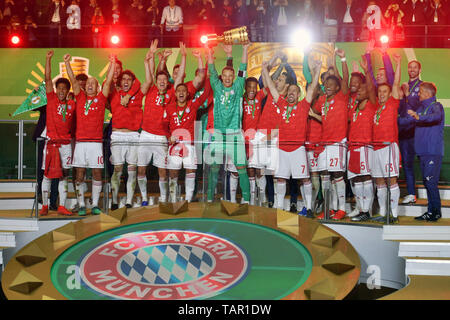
294	163
188	162
230	165
124	147
152	146
381	168
313	162
88	155
65	152
332	158
265	154
365	162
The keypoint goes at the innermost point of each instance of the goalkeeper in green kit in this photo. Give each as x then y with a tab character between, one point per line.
227	137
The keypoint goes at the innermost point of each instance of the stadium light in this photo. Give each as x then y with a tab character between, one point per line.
115	39
15	40
384	39
204	39
301	38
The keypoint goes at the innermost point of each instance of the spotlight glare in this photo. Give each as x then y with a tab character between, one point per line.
204	39
115	39
15	40
384	39
301	38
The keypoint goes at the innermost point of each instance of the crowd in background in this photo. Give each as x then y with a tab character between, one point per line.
86	23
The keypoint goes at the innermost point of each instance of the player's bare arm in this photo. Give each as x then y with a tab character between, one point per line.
370	85
200	77
75	85
396	90
110	75
181	71
48	72
316	67
149	64
270	84
345	74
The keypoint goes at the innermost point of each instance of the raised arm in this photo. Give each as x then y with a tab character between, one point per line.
109	75
245	52
269	82
369	82
200	77
344	82
182	69
317	65
396	90
75	85
149	63
162	64
48	72
387	64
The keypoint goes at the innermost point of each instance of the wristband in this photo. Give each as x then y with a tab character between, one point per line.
343	59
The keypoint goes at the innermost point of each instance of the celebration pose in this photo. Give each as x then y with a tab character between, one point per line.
90	114
227	135
292	136
58	149
385	143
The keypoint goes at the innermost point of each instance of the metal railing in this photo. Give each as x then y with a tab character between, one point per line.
140	36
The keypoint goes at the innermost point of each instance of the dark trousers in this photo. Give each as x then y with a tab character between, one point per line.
293	189
430	165
40	177
408	153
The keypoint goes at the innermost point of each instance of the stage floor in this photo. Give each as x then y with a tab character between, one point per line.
202	253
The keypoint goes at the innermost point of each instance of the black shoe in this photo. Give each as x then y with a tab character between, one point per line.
114	206
393	220
39	198
128	206
433	217
53	207
293	208
362	216
270	204
309	214
423	217
378	218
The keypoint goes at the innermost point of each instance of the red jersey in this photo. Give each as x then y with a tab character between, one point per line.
155	115
385	127
361	124
313	134
252	111
90	113
334	117
292	124
129	117
184	117
270	116
60	118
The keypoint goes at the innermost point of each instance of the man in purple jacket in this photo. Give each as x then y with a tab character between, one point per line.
429	119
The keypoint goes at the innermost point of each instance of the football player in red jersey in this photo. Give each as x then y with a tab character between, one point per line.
334	117
251	112
182	114
360	150
90	114
59	131
385	142
293	160
127	120
155	125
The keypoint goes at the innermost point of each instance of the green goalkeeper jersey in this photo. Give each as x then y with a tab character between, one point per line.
228	101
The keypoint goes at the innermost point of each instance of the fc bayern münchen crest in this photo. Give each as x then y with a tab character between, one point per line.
164	265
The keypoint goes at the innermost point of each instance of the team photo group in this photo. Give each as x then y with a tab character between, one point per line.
350	127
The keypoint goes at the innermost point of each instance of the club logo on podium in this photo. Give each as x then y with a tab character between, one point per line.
164	265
